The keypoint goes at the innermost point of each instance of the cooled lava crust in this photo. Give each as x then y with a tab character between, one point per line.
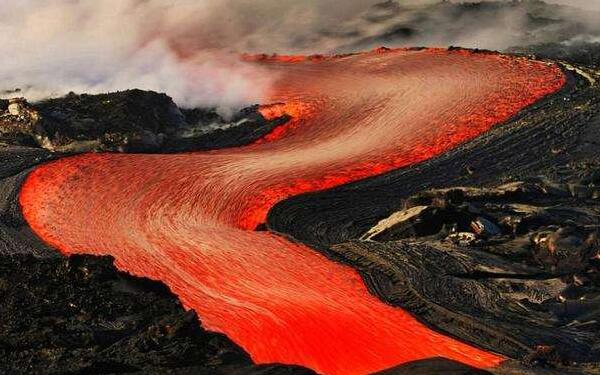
188	220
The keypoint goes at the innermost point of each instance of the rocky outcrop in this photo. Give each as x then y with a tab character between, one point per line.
127	121
19	122
525	284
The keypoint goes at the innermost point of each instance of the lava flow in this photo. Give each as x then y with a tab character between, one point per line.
187	219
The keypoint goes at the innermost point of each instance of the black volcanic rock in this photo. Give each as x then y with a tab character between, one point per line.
129	120
530	291
207	130
80	315
126	121
19	122
433	366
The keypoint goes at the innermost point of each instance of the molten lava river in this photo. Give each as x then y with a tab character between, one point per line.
189	219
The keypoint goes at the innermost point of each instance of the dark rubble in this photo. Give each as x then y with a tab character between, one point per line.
79	315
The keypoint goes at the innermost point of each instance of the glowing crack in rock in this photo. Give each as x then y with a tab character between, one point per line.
188	219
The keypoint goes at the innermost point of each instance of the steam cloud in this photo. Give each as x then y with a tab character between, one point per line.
185	48
496	25
189	48
83	46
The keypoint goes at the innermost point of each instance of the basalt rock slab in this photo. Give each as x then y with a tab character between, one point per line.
403	223
480	298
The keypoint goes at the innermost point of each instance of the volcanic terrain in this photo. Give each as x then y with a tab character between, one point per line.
318	231
187	219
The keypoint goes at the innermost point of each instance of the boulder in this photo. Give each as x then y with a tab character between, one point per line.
405	223
483	227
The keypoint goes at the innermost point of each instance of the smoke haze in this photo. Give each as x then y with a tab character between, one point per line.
189	48
185	48
496	25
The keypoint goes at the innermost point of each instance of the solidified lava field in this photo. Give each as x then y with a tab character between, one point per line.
188	220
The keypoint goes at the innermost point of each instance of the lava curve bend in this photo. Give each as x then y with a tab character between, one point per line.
189	219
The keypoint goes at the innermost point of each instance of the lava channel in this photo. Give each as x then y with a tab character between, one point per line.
188	219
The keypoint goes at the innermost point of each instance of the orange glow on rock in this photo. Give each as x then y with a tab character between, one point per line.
187	219
297	111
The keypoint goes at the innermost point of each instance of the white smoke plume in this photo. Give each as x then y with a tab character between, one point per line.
54	47
189	48
186	48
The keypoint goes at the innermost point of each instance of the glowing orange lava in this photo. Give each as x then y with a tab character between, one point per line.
186	219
